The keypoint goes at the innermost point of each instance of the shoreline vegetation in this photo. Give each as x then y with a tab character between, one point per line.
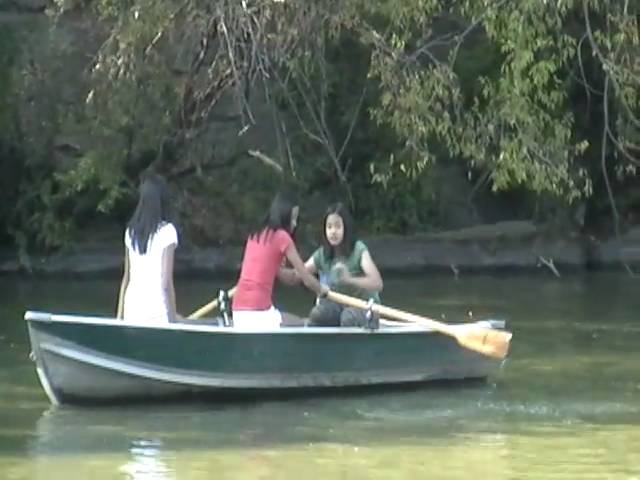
420	116
516	246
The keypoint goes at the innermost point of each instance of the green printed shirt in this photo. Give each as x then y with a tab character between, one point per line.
328	276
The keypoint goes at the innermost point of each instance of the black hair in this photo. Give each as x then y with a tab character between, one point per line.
278	217
152	211
348	240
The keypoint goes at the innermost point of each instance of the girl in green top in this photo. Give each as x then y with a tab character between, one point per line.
344	264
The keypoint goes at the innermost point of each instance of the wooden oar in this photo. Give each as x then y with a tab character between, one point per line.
487	341
212	305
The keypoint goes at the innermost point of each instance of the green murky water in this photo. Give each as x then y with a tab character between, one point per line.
565	406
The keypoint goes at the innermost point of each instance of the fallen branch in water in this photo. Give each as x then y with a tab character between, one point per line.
455	270
549	264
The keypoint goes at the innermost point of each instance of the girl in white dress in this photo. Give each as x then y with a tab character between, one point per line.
147	294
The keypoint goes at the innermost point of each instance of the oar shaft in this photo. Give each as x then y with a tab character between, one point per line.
486	341
390	312
212	305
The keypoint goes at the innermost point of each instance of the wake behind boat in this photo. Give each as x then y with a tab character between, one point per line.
96	359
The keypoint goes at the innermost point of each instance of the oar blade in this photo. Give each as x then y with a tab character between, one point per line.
487	341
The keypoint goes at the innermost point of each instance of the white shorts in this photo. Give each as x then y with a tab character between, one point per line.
257	319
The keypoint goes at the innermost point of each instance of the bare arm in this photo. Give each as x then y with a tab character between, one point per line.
310	265
123	286
167	278
289	276
301	271
371	281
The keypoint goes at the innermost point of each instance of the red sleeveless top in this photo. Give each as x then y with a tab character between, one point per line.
263	255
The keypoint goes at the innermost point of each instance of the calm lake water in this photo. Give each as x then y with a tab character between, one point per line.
565	406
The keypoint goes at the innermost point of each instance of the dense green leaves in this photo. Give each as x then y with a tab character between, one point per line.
530	96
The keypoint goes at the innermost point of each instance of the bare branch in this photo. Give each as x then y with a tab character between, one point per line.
461	38
266	160
621	148
352	124
161	31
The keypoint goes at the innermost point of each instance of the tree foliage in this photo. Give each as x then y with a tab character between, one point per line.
516	118
536	96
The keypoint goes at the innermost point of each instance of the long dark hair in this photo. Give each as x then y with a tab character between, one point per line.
348	240
152	211
278	217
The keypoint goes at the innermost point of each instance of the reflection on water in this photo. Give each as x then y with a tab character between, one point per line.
566	405
372	440
412	434
146	462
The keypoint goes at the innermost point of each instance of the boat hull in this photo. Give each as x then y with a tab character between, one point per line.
82	359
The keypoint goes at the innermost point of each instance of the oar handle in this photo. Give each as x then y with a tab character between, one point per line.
390	312
212	305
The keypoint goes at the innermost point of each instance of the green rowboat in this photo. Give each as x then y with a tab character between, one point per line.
97	359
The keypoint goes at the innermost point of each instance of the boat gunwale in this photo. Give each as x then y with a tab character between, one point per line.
45	317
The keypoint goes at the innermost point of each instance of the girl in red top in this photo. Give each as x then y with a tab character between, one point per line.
264	253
